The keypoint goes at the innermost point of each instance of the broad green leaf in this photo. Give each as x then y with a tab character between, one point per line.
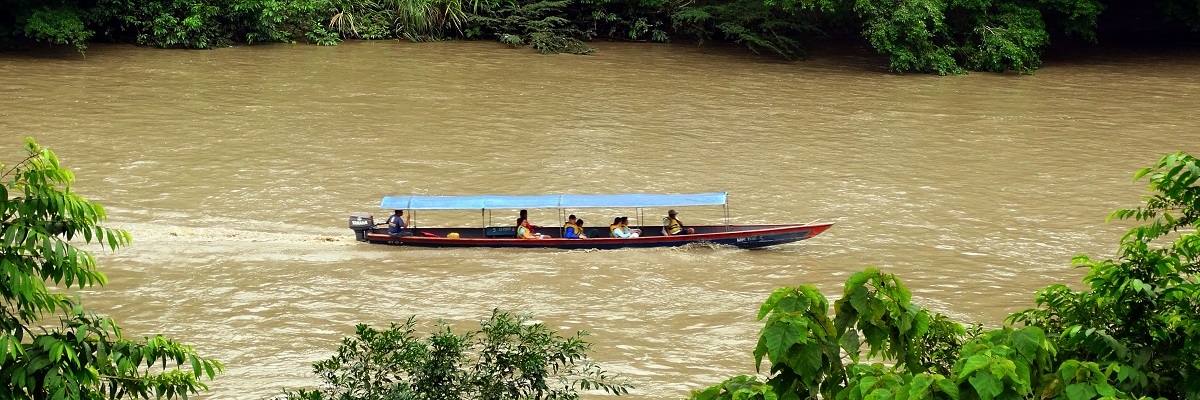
920	387
760	350
948	387
1081	391
880	394
858	279
853	345
986	385
771	301
867	384
1027	341
779	338
810	360
973	364
858	299
56	351
791	305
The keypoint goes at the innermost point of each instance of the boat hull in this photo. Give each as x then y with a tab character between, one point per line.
742	236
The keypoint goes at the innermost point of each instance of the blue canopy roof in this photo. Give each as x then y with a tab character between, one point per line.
551	201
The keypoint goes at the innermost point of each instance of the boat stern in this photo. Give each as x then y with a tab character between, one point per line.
362	224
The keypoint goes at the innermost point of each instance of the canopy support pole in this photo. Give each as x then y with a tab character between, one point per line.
727	226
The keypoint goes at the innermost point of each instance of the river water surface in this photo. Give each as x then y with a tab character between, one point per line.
235	170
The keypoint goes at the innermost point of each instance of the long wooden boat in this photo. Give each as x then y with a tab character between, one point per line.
743	236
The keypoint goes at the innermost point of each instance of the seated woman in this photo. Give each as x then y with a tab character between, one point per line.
620	228
628	231
614	230
524	231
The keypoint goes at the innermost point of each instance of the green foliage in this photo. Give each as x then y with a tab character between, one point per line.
1133	334
1139	315
507	358
1186	11
949	36
778	28
876	381
800	341
1004	363
629	19
930	36
879	307
739	387
278	20
323	37
533	22
58	25
193	24
84	356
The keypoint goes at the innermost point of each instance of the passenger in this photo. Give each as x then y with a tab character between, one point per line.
574	229
614	230
396	224
672	226
524	231
622	229
525	216
627	230
570	221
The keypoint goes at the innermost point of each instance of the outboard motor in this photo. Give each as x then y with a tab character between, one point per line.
362	224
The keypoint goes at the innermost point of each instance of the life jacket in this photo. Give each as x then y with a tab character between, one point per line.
523	229
568	228
672	225
612	230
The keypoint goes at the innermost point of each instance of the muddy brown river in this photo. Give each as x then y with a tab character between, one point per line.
235	170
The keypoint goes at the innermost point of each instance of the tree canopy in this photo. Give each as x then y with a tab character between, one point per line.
931	36
509	358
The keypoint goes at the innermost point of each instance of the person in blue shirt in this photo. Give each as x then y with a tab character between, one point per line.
574	229
396	224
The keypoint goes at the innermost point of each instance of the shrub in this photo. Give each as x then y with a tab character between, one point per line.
509	357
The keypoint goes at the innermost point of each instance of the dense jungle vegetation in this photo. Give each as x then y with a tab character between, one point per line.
932	36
